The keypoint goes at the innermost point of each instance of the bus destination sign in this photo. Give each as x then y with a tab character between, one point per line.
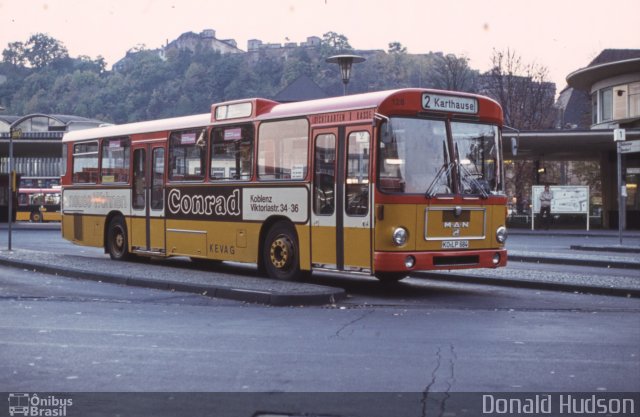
449	103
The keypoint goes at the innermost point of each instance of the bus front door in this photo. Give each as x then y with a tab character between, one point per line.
341	199
147	200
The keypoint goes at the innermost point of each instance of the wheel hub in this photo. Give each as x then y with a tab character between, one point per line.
281	252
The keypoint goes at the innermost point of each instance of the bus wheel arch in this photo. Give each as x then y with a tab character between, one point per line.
35	217
279	250
116	237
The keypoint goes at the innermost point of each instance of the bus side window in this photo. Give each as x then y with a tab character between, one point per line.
85	163
357	179
283	149
324	176
232	153
115	160
187	150
157	180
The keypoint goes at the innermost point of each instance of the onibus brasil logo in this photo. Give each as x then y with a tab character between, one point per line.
24	404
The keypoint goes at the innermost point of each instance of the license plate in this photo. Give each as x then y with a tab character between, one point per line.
455	244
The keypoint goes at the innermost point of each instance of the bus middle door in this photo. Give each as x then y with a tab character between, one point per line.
147	200
341	199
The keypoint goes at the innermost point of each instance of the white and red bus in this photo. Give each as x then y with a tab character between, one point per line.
381	183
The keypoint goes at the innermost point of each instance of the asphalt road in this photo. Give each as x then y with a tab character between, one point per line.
62	334
422	336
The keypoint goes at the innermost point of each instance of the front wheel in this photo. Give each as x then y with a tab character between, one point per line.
280	254
117	245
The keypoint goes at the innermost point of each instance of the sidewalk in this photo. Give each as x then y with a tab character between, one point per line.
176	274
566	247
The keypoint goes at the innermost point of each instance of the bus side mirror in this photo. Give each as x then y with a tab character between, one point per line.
514	146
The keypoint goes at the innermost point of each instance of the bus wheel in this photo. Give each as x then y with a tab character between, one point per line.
280	252
36	217
117	239
390	277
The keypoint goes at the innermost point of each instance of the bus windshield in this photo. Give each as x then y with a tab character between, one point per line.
477	156
414	157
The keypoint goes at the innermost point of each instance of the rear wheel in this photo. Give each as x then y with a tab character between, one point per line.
36	217
280	252
117	245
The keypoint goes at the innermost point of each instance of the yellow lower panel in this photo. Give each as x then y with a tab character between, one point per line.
214	240
357	247
323	245
304	240
137	227
396	215
51	216
23	216
84	230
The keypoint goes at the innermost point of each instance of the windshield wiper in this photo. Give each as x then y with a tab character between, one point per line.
443	169
472	182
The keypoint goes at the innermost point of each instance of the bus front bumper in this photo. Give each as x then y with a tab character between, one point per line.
424	261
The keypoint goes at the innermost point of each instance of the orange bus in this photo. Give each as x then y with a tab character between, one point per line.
38	204
382	183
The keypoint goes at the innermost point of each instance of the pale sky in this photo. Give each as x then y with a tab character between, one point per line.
563	35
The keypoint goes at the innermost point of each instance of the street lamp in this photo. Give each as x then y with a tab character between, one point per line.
345	62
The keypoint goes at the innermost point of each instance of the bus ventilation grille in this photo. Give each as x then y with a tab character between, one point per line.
455	260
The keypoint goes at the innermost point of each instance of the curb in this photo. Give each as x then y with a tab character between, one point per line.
534	285
577	262
329	295
619	249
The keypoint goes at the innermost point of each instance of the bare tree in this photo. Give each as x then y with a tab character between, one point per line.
522	89
527	99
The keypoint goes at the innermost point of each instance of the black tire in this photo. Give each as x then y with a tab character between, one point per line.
117	243
36	217
280	252
390	277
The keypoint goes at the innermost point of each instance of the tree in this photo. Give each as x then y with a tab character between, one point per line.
396	48
453	73
527	101
522	89
14	54
333	42
41	50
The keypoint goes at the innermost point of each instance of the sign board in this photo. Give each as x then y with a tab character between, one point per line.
629	146
454	104
567	199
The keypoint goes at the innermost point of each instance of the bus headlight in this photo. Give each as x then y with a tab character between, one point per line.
501	234
400	236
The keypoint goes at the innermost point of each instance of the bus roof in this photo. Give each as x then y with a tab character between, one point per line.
185	122
379	100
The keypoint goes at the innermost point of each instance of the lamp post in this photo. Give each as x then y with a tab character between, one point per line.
345	62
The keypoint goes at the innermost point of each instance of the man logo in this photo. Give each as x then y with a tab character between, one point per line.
455	232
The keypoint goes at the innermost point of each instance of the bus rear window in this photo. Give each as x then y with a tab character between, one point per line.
85	163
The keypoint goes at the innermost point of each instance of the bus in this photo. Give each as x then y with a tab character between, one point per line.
382	183
39	204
